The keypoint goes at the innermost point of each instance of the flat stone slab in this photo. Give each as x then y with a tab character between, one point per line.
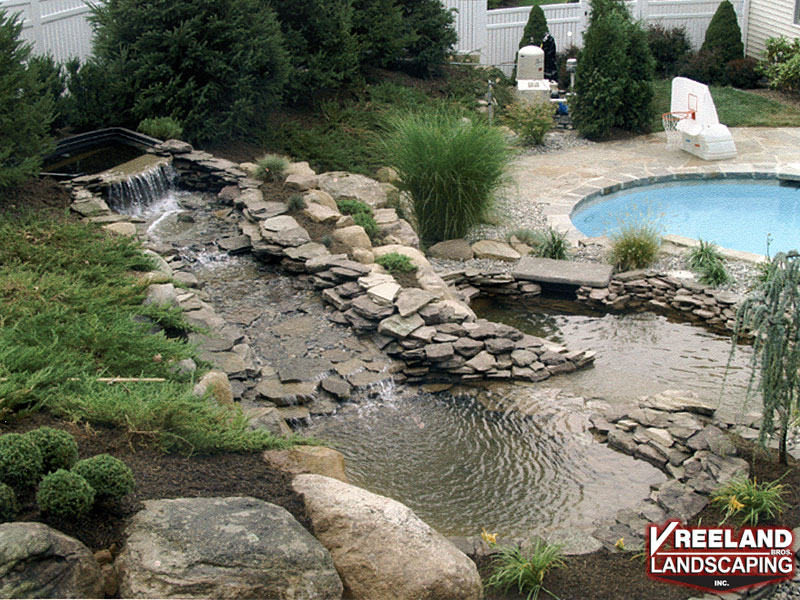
547	270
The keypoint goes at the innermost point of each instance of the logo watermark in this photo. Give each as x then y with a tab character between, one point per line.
719	559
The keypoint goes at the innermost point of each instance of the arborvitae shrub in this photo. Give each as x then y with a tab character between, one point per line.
669	48
25	108
20	460
65	495
216	65
322	46
59	449
535	28
430	36
8	503
110	478
723	34
614	78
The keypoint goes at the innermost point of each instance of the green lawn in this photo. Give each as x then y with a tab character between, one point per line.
736	108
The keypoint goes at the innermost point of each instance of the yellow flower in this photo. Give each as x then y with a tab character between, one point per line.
620	544
734	504
489	538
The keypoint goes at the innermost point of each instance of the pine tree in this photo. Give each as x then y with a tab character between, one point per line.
535	28
430	36
217	66
723	35
378	25
26	110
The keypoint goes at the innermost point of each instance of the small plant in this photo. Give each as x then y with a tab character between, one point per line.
20	460
530	121
349	206
65	495
635	245
110	478
8	503
59	449
368	223
394	262
524	570
703	255
326	241
714	274
162	128
551	244
295	203
271	167
750	501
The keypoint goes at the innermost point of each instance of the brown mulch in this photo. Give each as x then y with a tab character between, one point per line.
39	195
158	475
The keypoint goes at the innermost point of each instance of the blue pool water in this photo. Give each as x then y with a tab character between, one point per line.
731	214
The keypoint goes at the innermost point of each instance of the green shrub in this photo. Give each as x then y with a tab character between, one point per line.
781	64
326	241
704	254
8	503
535	28
26	109
561	64
162	128
512	567
65	495
98	96
530	121
20	460
59	449
635	245
216	66
367	221
704	66
743	73
723	35
110	478
669	48
394	262
551	244
750	501
614	77
271	167
53	78
350	206
378	27
430	34
714	274
451	168
322	46
295	203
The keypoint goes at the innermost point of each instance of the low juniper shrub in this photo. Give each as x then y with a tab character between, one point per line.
394	262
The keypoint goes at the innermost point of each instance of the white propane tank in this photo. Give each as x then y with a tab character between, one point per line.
530	63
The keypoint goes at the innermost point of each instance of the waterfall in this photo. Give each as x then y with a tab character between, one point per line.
140	191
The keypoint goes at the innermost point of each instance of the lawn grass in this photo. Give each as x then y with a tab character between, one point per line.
736	108
71	311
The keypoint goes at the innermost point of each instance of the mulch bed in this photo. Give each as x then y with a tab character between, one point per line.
41	195
158	475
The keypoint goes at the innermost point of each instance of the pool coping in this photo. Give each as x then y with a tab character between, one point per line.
559	212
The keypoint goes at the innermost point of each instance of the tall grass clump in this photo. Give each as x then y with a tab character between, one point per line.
271	167
635	245
706	260
452	169
525	570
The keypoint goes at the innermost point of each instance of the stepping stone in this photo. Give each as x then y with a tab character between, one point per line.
564	272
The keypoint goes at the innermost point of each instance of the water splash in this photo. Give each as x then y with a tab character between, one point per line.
137	194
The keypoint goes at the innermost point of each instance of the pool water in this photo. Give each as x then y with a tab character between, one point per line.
732	214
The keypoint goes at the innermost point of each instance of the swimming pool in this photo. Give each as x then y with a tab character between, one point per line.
737	214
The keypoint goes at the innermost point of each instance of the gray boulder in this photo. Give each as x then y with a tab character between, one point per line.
381	549
341	185
39	562
223	548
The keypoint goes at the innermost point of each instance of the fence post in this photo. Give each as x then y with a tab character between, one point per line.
583	21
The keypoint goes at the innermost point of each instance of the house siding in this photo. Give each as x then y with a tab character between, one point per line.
770	18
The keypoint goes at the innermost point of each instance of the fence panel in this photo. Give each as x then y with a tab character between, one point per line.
56	27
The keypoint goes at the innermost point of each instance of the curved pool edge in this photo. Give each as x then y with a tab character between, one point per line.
559	213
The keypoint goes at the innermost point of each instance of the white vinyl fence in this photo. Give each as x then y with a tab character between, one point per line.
56	27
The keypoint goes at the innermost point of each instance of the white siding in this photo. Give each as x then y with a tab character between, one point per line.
770	18
56	27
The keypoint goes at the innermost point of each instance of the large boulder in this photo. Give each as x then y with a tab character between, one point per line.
223	548
458	249
39	562
381	549
308	459
341	185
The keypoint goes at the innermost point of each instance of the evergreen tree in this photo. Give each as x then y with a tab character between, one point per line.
321	42
378	25
535	28
214	65
26	110
723	35
430	35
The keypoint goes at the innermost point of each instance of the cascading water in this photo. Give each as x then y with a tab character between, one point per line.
139	192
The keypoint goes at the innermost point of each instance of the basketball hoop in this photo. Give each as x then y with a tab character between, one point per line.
670	121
